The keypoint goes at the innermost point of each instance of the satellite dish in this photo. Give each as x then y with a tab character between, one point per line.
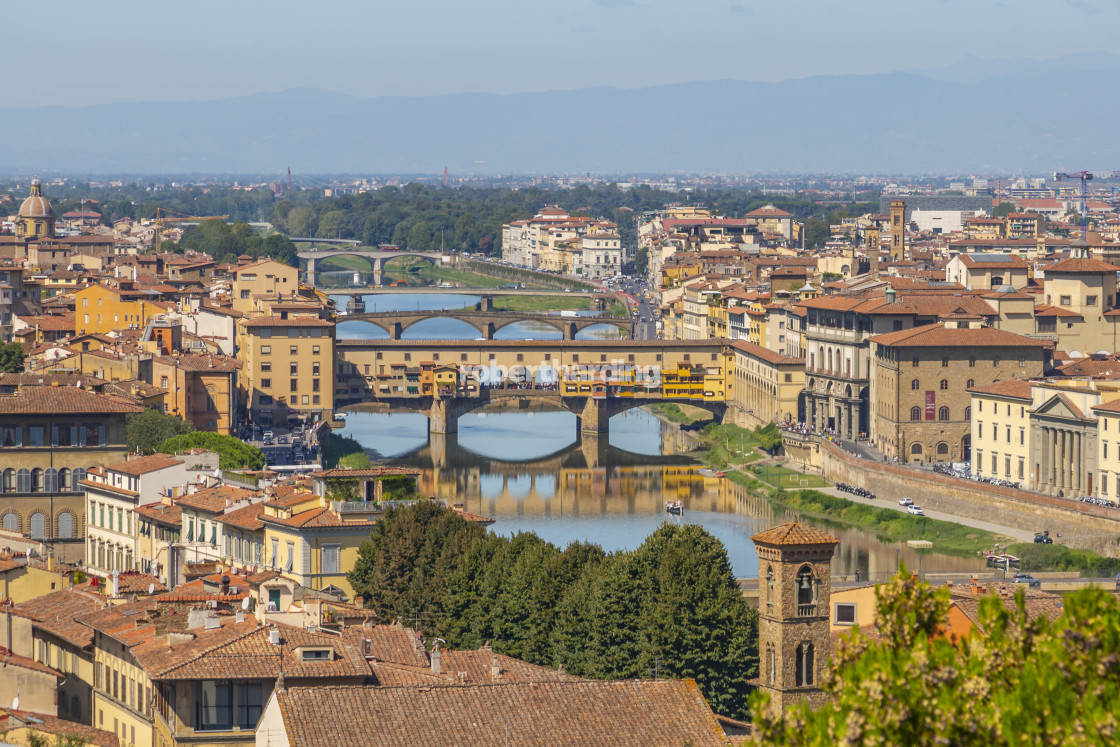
151	589
245	604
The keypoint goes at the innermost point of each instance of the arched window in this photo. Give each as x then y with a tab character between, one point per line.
942	449
915	448
36	480
769	591
914	384
943	413
944	384
971	383
64	484
915	413
968	413
65	526
38	526
23	480
50	480
773	663
79	475
803	674
9	480
11	522
805	589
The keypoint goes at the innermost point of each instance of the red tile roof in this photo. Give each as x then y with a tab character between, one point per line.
145	464
540	714
794	533
1014	388
35	400
936	335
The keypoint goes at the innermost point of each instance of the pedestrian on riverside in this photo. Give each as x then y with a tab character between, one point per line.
857	575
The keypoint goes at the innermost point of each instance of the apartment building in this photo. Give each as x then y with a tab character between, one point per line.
288	368
766	386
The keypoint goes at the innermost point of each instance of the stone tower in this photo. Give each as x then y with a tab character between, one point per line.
898	230
871	247
795	584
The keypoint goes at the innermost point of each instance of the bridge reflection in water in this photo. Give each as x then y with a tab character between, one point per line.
594	490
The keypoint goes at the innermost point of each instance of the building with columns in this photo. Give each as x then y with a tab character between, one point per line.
1064	441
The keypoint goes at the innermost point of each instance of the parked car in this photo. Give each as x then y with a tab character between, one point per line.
906	502
916	510
1028	579
1043	538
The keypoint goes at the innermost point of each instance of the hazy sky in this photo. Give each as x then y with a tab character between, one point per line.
139	50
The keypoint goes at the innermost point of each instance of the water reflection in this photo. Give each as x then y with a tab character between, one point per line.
610	491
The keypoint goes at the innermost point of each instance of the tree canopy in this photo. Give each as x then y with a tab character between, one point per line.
233	452
669	608
1016	680
11	357
146	431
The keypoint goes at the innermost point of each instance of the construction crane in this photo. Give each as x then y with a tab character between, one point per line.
162	219
1085	177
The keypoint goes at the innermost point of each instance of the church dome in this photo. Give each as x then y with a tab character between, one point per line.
36	206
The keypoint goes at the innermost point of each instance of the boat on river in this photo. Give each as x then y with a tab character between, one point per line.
674	507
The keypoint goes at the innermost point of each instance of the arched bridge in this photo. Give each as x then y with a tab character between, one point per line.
592	414
486	322
376	259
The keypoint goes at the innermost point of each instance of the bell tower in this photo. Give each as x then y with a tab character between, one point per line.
795	585
898	230
871	247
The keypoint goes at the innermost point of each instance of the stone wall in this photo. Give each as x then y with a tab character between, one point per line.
1081	525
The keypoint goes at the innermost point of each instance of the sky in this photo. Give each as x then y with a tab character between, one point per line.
137	50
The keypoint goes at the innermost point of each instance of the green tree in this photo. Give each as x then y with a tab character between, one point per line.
146	431
1003	209
11	357
233	453
1016	680
641	261
302	221
419	238
401	569
333	225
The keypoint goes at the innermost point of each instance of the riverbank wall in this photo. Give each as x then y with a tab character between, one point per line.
1085	526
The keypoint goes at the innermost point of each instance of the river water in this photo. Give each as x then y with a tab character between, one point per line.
532	471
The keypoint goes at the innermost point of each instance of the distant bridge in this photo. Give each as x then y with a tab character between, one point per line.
376	259
486	322
307	240
484	293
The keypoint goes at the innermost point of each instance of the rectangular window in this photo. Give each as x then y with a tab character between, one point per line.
293	369
266	350
845	613
294	385
314	385
315	368
1064	300
331	558
266	383
272	558
1090	300
37	437
291	557
215	706
315	350
266	366
293	350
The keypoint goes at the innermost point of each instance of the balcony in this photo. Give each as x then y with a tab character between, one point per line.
806	610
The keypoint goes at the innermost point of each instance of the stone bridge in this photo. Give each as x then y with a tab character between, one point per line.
592	414
376	259
485	322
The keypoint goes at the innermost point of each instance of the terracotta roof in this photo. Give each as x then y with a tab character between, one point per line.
245	518
936	335
216	499
794	533
316	517
242	651
1045	310
1014	388
55	613
43	723
35	400
192	362
145	464
10	659
765	354
1082	265
292	321
658	712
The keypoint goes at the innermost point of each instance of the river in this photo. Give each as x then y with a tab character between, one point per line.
532	471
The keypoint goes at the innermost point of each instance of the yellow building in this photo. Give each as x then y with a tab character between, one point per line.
1108	449
23	578
1001	429
264	278
100	308
766	385
288	368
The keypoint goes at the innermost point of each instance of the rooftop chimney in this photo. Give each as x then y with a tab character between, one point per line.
435	659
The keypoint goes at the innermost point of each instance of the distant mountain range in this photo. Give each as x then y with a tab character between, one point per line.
984	116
